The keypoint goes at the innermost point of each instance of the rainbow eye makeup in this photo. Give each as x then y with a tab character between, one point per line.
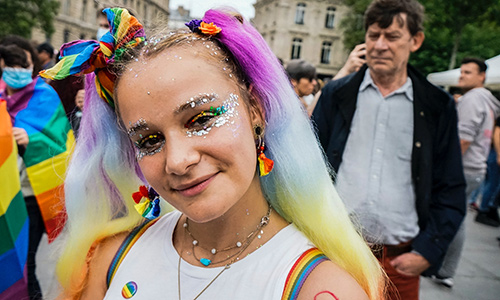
202	123
149	145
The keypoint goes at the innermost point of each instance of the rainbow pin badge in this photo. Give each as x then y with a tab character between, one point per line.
129	290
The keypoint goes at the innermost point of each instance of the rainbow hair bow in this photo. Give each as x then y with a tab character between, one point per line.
83	57
150	207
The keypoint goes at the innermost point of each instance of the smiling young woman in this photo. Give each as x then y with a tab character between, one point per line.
202	115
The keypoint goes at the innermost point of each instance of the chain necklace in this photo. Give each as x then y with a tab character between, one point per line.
263	222
206	262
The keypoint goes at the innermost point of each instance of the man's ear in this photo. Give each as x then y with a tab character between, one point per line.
417	41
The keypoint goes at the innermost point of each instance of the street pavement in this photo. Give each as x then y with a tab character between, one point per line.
477	278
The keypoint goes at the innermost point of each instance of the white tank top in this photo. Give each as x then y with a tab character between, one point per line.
150	268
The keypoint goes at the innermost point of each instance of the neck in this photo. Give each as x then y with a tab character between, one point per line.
226	231
10	91
388	83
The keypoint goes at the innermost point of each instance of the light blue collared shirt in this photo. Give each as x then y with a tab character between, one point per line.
374	179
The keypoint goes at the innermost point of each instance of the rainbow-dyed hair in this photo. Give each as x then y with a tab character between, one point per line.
104	171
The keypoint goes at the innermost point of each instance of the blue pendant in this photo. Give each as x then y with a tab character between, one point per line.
205	261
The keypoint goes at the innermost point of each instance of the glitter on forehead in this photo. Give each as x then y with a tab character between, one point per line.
229	110
139	125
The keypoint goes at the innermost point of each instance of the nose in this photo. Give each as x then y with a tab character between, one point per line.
381	43
181	154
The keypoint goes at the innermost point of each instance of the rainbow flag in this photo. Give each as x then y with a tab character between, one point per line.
14	223
39	111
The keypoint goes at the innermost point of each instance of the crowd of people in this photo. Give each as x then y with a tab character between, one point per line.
196	165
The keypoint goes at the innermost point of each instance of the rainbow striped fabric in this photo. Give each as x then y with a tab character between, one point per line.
300	271
83	57
38	110
14	222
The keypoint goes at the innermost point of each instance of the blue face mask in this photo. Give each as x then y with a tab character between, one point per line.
101	32
17	78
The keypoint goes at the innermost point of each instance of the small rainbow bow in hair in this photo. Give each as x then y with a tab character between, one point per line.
83	57
150	207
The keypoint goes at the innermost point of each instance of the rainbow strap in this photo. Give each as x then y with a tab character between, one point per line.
300	271
125	248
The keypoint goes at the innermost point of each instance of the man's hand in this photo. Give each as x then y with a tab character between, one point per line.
21	136
410	264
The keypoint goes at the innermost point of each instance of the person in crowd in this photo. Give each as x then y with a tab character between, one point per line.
102	25
488	211
228	149
355	60
78	113
46	55
303	78
477	111
391	137
24	44
43	136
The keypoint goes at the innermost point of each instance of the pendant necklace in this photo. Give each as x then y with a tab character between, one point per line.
246	243
249	238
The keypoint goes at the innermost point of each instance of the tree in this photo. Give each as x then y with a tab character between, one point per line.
20	16
453	30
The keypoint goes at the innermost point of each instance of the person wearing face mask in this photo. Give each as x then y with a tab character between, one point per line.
44	137
103	24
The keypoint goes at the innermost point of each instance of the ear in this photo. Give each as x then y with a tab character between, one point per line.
417	41
294	82
257	112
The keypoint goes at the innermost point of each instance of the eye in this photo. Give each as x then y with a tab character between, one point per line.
151	143
204	118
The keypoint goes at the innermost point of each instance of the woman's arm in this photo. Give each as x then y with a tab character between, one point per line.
330	282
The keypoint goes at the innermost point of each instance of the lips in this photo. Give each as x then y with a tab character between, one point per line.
195	187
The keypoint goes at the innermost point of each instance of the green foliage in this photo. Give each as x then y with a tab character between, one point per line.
20	16
469	26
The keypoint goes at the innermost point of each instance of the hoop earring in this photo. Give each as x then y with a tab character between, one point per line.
265	164
150	207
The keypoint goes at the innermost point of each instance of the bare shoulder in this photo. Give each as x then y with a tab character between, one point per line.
330	282
98	265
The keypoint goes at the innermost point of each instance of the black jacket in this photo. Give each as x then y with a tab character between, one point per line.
436	164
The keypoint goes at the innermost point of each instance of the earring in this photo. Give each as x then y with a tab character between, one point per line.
265	164
150	207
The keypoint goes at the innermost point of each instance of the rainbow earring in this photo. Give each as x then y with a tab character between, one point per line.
265	164
150	207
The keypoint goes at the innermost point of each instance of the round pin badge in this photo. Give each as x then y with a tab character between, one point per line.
129	290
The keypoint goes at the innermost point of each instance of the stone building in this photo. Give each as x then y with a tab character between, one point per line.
303	29
178	17
77	19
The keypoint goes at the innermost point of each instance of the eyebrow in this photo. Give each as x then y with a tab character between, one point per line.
197	100
140	124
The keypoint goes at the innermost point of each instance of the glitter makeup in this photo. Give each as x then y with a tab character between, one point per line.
149	145
198	100
139	125
202	123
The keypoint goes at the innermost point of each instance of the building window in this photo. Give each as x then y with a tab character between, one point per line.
84	10
296	47
66	35
299	14
66	7
330	17
82	36
326	49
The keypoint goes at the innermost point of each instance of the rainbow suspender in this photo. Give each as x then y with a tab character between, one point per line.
300	271
125	248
